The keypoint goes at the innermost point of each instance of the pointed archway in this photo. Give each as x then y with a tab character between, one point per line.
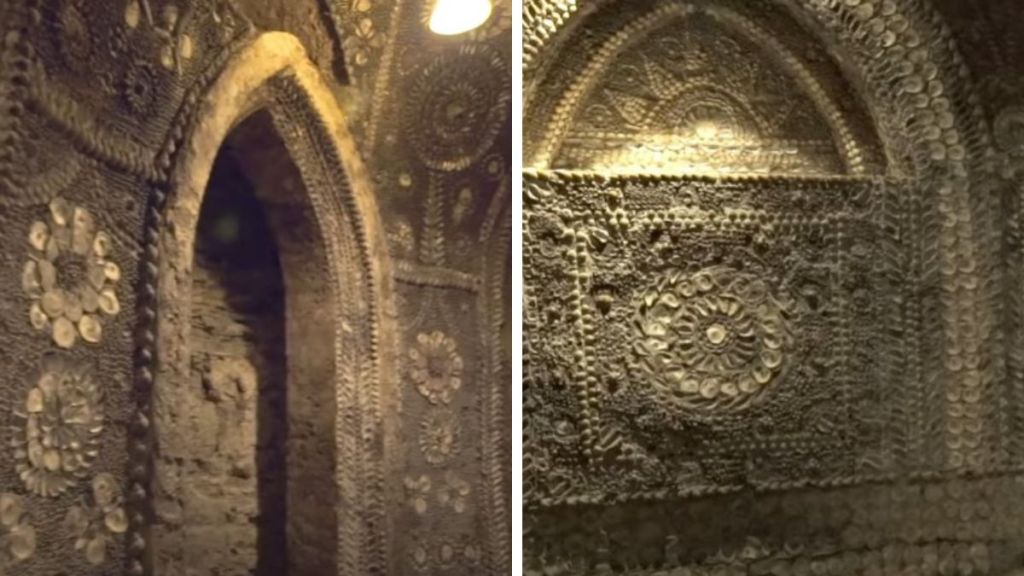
301	374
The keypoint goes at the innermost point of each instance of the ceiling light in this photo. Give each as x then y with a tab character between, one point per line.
451	17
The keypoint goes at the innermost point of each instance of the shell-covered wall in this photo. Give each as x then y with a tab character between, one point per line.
734	366
111	114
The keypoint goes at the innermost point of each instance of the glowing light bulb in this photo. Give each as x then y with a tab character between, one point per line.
451	17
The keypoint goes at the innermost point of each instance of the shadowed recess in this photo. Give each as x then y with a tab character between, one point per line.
251	437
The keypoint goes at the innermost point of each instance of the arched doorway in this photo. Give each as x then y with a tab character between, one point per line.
268	368
250	435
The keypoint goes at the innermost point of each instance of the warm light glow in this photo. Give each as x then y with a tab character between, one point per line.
452	17
707	131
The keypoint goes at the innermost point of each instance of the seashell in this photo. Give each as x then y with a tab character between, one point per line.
116	521
96	550
90	328
185	47
83	231
22	542
101	244
709	388
52	303
30	278
132	14
38	235
60	211
109	303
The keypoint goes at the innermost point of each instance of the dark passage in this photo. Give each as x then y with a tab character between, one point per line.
239	315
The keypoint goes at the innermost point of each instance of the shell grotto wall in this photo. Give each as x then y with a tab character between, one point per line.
173	407
787	349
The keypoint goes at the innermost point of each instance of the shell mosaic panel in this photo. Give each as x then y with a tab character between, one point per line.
735	376
719	378
692	336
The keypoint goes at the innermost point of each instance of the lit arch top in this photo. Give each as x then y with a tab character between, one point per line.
690	88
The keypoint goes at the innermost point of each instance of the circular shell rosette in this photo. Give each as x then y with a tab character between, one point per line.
61	419
97	520
715	339
69	275
436	367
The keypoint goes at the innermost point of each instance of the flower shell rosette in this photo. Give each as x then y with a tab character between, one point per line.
61	421
69	275
436	367
439	435
97	520
418	490
454	492
713	339
17	536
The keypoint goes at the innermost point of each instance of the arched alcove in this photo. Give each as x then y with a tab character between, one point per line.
723	366
237	416
701	88
697	88
899	64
